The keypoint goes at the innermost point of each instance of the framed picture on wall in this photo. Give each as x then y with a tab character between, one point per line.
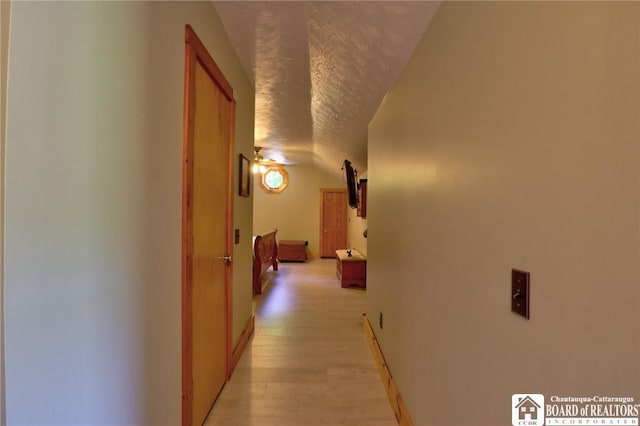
245	176
362	198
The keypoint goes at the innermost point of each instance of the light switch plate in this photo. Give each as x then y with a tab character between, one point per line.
520	292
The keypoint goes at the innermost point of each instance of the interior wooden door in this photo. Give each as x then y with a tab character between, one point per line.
207	232
333	221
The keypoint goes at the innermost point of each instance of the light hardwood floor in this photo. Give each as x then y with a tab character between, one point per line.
308	362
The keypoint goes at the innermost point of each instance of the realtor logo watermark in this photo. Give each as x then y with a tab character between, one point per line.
530	409
527	409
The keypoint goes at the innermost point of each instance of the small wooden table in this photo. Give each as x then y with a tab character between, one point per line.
351	270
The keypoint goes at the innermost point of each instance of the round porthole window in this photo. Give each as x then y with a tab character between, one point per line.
274	179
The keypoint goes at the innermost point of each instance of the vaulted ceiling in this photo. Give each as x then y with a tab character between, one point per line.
320	70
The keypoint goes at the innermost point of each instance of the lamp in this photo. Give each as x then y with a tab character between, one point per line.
258	168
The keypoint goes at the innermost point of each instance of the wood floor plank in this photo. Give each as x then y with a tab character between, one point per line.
308	362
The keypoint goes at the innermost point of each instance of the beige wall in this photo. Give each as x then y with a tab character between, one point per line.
511	140
93	208
356	227
295	212
5	12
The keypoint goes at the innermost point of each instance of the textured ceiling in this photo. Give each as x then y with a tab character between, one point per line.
320	71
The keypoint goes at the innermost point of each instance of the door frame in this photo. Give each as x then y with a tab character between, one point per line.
5	17
196	52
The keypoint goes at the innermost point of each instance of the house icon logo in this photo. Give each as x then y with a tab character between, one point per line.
527	409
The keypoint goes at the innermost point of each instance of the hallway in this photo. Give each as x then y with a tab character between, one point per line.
308	362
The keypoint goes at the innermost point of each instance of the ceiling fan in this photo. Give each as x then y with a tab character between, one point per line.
261	164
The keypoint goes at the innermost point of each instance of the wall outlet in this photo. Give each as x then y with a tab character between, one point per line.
381	321
520	292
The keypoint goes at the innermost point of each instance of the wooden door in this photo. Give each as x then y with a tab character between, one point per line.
207	204
333	221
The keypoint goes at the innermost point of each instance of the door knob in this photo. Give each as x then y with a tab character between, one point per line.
227	258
